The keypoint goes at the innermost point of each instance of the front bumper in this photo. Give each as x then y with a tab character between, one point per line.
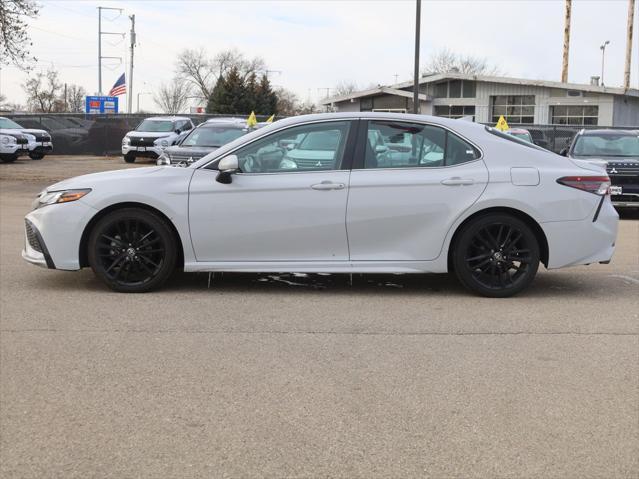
43	147
53	240
14	149
143	151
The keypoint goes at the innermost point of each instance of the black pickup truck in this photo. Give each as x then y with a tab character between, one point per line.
618	150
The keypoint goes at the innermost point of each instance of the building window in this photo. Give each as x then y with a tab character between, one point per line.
455	89
454	111
366	104
574	114
515	108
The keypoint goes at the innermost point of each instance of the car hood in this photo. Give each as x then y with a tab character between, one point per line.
93	179
195	151
34	131
142	134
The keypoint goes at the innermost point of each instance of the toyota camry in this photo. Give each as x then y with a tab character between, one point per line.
336	193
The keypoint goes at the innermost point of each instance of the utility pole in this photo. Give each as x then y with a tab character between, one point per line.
66	108
603	54
130	89
100	33
564	63
631	18
418	15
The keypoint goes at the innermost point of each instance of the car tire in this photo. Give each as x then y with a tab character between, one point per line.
132	250
129	158
8	159
496	255
36	156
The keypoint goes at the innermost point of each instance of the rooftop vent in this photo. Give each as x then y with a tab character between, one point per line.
594	80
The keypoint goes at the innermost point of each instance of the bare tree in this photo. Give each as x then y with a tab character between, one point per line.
75	98
173	97
345	87
14	35
447	61
43	92
202	72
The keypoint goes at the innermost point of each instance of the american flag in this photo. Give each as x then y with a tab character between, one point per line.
119	88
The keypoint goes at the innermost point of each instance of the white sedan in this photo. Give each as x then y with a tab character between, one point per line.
463	198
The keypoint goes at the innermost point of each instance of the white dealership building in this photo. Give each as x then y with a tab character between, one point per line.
486	98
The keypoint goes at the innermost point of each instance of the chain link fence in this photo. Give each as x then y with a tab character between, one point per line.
81	134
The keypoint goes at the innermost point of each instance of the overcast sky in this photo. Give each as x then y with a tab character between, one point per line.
315	44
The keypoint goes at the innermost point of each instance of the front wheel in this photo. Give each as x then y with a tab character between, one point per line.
132	250
36	156
496	255
129	158
8	158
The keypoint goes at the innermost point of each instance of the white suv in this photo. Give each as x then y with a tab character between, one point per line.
39	141
153	135
12	145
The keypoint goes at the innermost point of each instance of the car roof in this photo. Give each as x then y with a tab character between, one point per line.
240	125
228	119
166	118
516	130
610	132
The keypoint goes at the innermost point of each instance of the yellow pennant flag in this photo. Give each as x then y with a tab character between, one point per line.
251	121
270	119
502	124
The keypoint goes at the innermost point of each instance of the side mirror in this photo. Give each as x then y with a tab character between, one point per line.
178	131
564	152
227	166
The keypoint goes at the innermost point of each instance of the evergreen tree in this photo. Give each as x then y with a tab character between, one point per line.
235	90
218	98
265	98
248	102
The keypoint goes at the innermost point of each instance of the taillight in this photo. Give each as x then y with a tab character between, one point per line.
599	185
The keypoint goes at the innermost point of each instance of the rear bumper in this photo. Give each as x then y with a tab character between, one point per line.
582	242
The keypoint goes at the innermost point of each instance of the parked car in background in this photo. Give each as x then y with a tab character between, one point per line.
309	194
520	133
153	135
618	151
204	139
12	145
39	142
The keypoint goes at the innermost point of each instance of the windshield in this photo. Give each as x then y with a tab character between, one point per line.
8	124
321	140
160	126
513	138
213	136
607	145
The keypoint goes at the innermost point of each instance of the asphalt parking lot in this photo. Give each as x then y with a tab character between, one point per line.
312	376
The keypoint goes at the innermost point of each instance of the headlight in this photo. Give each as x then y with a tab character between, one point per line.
65	196
8	139
126	141
164	143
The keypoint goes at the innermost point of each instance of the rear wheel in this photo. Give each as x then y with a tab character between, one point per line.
129	158
496	255
132	250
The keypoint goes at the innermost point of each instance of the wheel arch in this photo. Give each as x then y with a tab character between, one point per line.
526	218
84	240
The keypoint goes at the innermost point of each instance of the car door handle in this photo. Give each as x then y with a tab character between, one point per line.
328	185
457	181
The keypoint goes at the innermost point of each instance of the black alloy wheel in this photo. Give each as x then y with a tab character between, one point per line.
496	255
132	250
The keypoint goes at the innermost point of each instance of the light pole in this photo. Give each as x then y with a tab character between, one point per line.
141	93
418	11
603	54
